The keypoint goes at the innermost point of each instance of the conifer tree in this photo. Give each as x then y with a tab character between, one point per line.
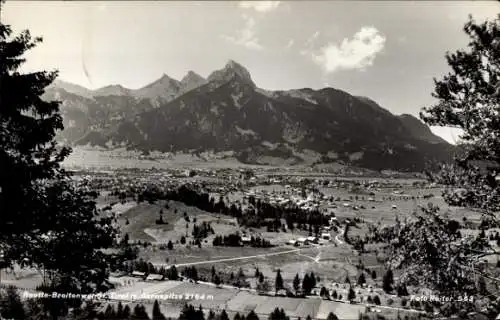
157	314
388	281
351	295
332	316
425	248
252	316
296	283
223	315
278	284
11	306
47	221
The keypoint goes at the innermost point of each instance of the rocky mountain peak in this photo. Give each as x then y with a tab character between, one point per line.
191	75
114	89
231	70
191	81
71	88
163	89
164	80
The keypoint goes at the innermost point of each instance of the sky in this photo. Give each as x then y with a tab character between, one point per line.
388	51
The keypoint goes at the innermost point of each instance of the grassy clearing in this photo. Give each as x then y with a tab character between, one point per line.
342	310
93	158
142	222
186	254
21	278
144	216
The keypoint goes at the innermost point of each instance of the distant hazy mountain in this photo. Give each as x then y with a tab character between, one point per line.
166	89
72	88
161	90
112	90
227	112
191	81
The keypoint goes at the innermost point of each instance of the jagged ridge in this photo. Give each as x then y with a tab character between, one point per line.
228	112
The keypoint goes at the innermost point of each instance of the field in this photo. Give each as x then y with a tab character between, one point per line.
172	295
142	222
332	261
232	300
23	278
84	157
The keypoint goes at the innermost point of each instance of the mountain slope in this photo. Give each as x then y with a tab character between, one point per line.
419	130
71	88
191	81
162	90
93	116
227	112
112	90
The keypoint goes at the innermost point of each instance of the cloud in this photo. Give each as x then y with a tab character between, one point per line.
260	6
309	44
246	37
312	39
356	53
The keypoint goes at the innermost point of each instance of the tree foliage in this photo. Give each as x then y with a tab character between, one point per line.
308	283
388	281
252	316
139	313
332	316
157	314
351	295
469	99
189	312
278	283
47	220
11	306
428	247
278	314
296	283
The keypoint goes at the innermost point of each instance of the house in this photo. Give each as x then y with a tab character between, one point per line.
281	293
302	241
246	239
154	277
292	242
118	274
326	236
312	239
138	274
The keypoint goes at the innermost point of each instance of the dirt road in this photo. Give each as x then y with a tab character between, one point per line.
159	264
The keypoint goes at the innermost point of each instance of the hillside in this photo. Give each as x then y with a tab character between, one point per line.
228	112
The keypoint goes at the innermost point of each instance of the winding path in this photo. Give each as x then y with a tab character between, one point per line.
160	264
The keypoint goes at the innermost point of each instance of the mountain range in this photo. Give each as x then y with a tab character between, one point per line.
228	112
